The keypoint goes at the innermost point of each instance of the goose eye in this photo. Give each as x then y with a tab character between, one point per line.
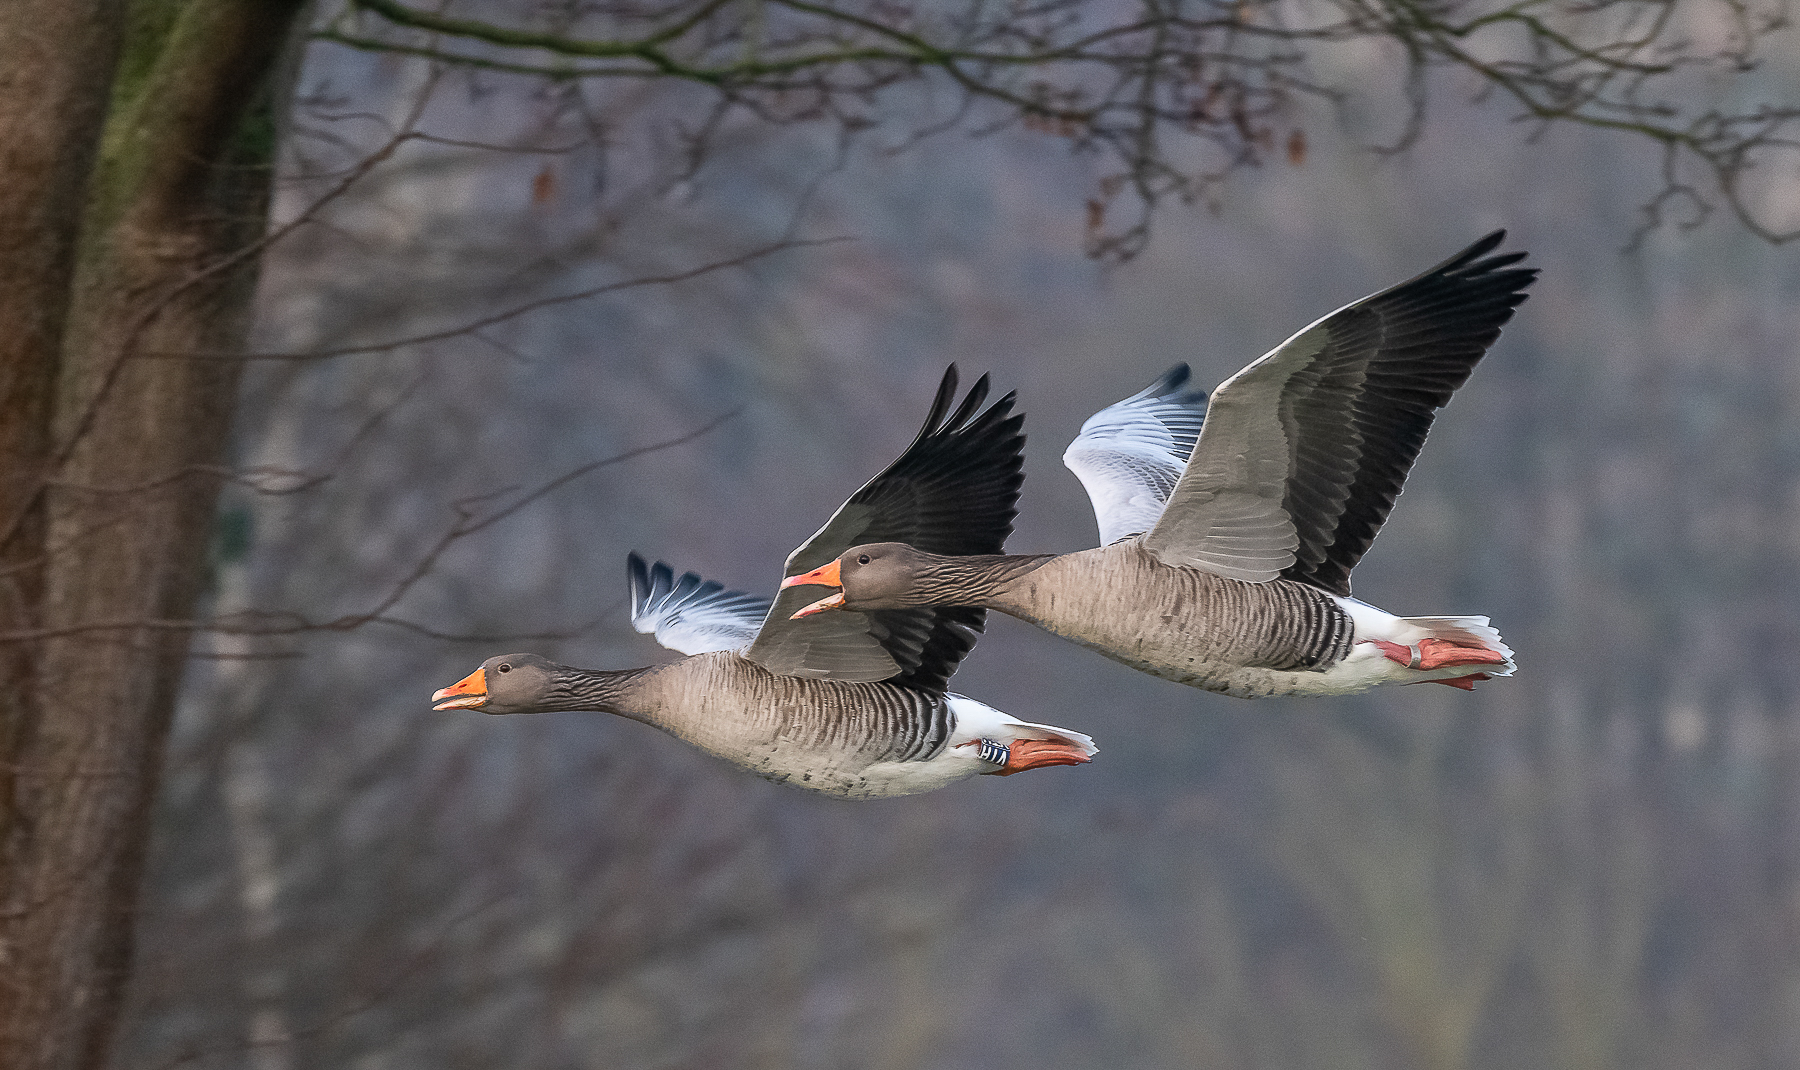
862	559
505	667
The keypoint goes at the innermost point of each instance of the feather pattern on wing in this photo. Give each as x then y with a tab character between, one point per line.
955	490
1130	454
691	615
1304	451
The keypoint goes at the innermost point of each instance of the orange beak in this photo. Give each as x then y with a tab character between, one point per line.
836	601
825	575
466	693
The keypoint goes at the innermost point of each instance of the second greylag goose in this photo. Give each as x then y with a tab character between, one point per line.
852	704
1231	527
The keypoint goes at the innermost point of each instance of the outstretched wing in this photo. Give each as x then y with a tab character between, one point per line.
955	490
691	615
1130	454
1304	450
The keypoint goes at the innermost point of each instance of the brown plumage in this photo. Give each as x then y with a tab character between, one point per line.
858	740
853	705
1183	624
1231	569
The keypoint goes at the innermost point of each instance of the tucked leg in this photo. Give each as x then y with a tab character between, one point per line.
1466	683
1023	754
1033	753
1399	652
1436	653
1439	653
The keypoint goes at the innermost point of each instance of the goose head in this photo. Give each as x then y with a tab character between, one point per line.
510	683
878	575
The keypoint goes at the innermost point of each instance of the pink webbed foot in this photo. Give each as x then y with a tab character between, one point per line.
1036	753
1438	654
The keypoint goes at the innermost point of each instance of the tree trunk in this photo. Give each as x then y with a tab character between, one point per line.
129	432
56	64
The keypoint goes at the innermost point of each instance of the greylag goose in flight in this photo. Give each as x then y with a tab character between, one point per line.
1229	528
849	704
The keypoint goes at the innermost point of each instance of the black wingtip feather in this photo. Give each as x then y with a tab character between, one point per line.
1481	247
946	394
1491	265
953	491
1167	383
637	580
1173	388
967	471
1435	328
650	584
977	394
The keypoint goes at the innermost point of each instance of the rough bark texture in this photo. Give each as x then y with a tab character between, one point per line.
131	431
56	64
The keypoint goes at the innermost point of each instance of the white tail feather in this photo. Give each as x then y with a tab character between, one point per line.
976	720
1028	730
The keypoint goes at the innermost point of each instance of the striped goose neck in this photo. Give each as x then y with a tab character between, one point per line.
974	580
604	690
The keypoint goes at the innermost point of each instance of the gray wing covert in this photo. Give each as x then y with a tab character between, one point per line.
1304	451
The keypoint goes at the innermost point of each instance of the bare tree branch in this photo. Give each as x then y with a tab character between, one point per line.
470	520
1176	96
474	327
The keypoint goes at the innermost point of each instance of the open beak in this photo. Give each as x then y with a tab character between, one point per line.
466	693
836	601
825	575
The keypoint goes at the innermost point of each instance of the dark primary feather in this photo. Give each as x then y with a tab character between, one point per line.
1360	413
955	491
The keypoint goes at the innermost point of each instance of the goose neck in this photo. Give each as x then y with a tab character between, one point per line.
605	690
982	580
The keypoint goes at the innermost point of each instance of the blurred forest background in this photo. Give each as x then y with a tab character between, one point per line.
1591	865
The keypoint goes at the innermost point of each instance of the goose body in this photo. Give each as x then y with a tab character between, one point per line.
853	740
1232	523
1248	640
854	705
